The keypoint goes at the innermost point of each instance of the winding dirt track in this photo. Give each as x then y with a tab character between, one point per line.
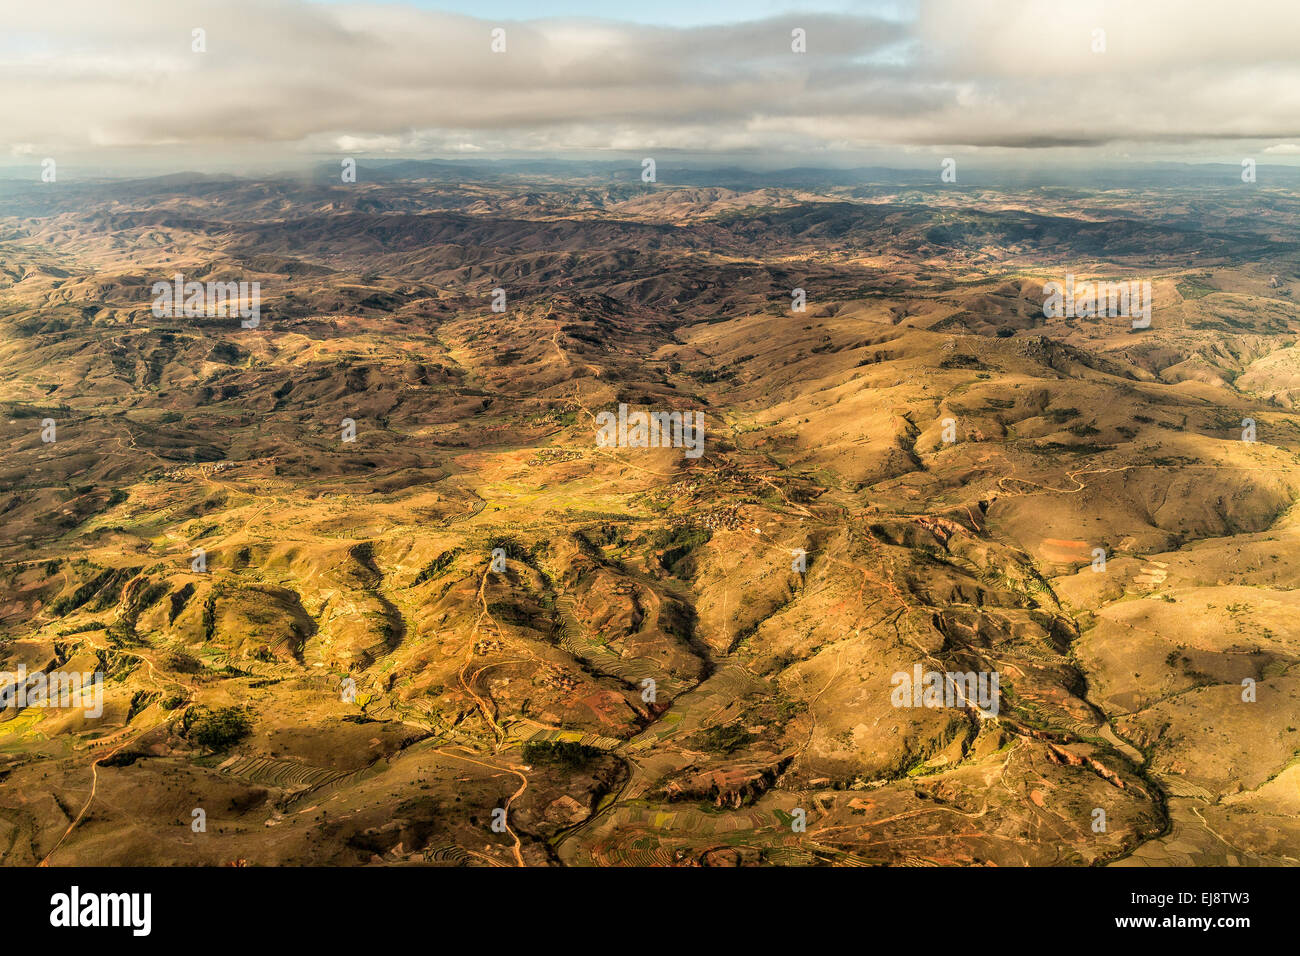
131	738
523	785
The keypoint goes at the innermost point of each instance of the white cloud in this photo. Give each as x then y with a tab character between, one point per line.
368	144
286	76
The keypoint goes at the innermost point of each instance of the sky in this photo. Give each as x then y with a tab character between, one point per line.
880	82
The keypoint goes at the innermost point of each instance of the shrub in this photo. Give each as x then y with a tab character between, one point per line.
217	729
570	756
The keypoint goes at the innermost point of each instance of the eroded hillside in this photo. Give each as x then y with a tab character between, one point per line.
355	651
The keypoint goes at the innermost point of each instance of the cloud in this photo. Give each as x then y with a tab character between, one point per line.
285	77
369	144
